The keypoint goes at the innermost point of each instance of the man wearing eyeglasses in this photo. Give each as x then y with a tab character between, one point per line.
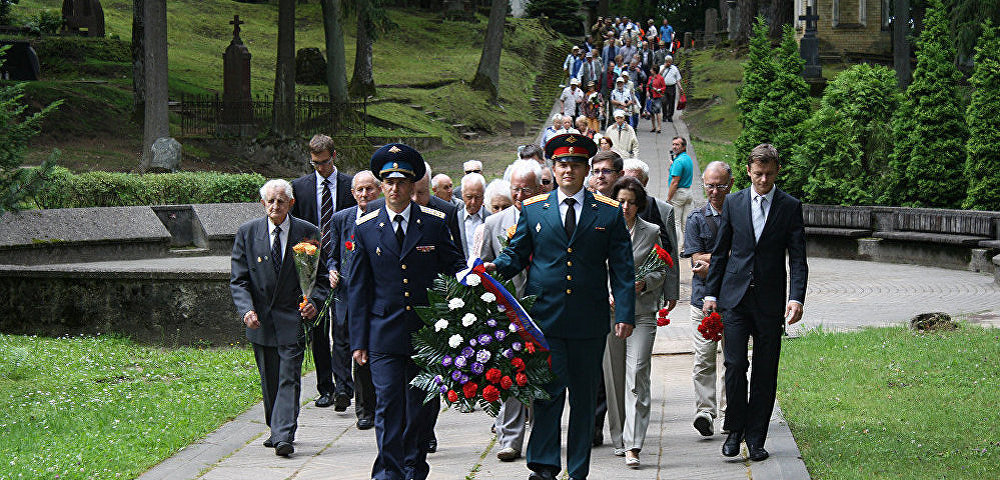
321	194
605	170
702	228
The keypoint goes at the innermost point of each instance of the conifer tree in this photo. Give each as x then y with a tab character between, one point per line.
790	94
928	160
982	166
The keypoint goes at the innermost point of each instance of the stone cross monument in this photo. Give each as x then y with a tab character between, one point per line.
809	45
237	107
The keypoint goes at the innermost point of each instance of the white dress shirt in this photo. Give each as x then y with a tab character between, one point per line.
471	220
563	208
392	217
759	218
319	194
285	225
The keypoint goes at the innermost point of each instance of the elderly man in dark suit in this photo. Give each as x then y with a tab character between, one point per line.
365	188
265	288
759	226
399	250
572	240
320	194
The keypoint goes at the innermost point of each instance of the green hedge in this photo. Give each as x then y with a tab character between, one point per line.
65	189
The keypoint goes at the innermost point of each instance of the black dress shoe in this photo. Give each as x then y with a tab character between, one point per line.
284	449
341	402
731	447
268	443
542	475
432	446
758	453
324	400
598	438
365	423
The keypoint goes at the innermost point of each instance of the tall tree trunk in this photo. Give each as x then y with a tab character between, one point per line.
780	14
138	62
336	64
363	80
283	120
748	10
488	74
602	8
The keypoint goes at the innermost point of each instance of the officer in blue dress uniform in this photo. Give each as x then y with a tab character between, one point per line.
573	241
399	250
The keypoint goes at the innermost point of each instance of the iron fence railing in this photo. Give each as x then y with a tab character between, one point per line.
210	115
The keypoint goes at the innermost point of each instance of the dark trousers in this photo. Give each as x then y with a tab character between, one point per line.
601	411
341	360
401	419
577	366
280	382
739	324
667	103
320	336
364	391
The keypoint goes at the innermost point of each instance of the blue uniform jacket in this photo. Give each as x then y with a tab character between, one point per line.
569	276
384	283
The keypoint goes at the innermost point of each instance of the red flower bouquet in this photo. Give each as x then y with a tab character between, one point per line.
711	327
661	317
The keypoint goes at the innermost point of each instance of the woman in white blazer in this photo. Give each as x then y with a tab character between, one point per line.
627	362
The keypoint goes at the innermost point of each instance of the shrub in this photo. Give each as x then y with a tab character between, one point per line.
928	159
109	189
845	145
982	166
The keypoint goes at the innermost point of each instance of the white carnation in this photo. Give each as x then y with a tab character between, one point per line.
440	325
468	319
513	327
472	280
455	304
455	341
488	297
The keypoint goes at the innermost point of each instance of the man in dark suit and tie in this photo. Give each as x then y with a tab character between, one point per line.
320	194
399	250
365	188
746	280
571	240
265	288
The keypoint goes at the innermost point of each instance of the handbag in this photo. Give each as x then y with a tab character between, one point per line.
682	102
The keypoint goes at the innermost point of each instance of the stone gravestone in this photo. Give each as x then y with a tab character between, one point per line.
711	25
85	17
732	18
166	155
20	62
310	67
237	105
809	51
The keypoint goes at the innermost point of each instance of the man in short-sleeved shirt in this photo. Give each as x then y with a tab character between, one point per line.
679	184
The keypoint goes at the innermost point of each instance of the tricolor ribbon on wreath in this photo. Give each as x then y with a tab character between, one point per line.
511	307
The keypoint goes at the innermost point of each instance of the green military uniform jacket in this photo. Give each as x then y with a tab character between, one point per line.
569	276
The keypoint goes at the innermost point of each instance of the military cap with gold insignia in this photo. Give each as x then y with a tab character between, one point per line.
570	147
396	160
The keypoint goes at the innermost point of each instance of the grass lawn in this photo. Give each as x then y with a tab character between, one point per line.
99	407
887	403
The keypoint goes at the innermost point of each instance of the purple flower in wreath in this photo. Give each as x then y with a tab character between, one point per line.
500	335
477	368
508	353
501	308
472	342
468	352
485	339
460	362
438	379
492	323
456	375
516	346
483	356
443	389
464	379
447	361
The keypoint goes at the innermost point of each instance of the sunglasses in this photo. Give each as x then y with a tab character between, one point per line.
473	171
546	181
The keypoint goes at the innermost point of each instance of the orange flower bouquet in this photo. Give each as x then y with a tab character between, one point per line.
306	255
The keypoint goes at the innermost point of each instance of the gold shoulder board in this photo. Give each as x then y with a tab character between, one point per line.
605	200
436	213
536	198
368	216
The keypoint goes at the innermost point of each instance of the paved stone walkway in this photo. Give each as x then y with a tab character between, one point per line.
842	294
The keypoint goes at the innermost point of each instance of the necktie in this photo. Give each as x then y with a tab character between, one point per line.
399	229
760	217
326	214
570	217
276	250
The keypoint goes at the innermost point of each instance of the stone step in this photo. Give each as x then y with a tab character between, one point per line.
189	251
440	119
470	135
417	107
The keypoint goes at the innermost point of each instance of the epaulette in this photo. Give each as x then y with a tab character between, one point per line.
368	216
536	198
605	200
510	231
436	213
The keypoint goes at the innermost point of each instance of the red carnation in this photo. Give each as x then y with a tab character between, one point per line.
522	379
469	389
662	321
529	346
506	382
452	396
711	327
349	245
518	363
663	312
493	375
491	394
664	255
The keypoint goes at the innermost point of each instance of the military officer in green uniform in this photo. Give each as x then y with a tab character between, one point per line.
572	242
